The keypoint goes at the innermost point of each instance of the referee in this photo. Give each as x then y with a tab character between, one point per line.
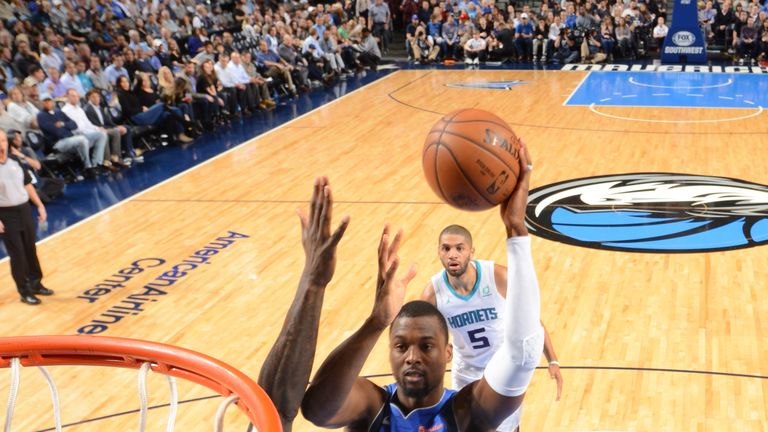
17	226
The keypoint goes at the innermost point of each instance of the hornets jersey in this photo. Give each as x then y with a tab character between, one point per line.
476	320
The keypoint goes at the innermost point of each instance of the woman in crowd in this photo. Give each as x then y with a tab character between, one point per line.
156	114
608	39
208	84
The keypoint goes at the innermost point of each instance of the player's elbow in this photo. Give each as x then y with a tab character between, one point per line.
312	409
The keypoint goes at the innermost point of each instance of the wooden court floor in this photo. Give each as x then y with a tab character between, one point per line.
648	342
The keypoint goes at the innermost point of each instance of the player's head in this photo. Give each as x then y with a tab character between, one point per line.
455	249
419	349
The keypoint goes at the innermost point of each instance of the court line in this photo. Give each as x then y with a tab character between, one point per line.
263	134
727	83
392	93
583	80
610	368
298	201
755	114
572	129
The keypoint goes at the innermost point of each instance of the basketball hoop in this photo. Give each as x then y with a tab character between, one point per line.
164	359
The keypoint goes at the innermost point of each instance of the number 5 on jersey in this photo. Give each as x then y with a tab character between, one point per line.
478	341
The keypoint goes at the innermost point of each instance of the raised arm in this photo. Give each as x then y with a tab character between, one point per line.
286	370
487	402
337	395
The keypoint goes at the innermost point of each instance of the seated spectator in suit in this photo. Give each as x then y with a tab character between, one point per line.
58	130
277	68
233	96
243	82
22	110
97	137
155	115
289	52
120	137
258	81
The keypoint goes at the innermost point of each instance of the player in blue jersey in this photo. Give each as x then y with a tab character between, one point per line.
286	370
419	350
470	295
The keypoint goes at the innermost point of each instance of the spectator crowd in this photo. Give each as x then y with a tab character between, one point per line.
89	86
570	31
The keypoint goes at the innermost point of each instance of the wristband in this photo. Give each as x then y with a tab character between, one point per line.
554	362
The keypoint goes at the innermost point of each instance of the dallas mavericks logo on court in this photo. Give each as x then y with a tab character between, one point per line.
493	85
651	212
683	38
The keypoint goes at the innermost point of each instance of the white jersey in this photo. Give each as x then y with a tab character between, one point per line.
476	320
476	323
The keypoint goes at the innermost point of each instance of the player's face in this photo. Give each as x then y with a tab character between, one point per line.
418	353
455	253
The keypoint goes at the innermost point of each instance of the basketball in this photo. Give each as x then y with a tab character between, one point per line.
471	159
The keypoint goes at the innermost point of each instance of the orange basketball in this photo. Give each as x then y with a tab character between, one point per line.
471	159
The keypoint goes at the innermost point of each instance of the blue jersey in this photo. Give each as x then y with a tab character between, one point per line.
438	417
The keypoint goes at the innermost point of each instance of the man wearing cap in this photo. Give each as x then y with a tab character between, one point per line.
17	225
59	129
524	38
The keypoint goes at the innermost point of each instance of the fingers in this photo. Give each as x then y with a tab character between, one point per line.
395	243
410	274
314	203
384	247
559	386
339	233
302	218
394	264
326	208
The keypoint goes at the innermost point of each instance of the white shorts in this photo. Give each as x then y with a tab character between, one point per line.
460	378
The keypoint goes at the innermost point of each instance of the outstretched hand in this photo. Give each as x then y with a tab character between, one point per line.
319	244
513	210
554	373
390	291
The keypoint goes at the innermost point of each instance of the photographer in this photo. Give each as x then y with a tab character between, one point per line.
567	46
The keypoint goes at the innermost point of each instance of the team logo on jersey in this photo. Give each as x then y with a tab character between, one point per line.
651	212
485	292
491	85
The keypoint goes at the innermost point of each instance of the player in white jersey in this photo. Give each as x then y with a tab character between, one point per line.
470	295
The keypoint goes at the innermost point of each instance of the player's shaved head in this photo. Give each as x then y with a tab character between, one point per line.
418	309
458	230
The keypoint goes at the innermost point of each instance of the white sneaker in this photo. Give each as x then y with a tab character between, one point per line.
477	60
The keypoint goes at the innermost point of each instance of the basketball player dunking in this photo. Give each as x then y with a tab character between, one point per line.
470	295
419	351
